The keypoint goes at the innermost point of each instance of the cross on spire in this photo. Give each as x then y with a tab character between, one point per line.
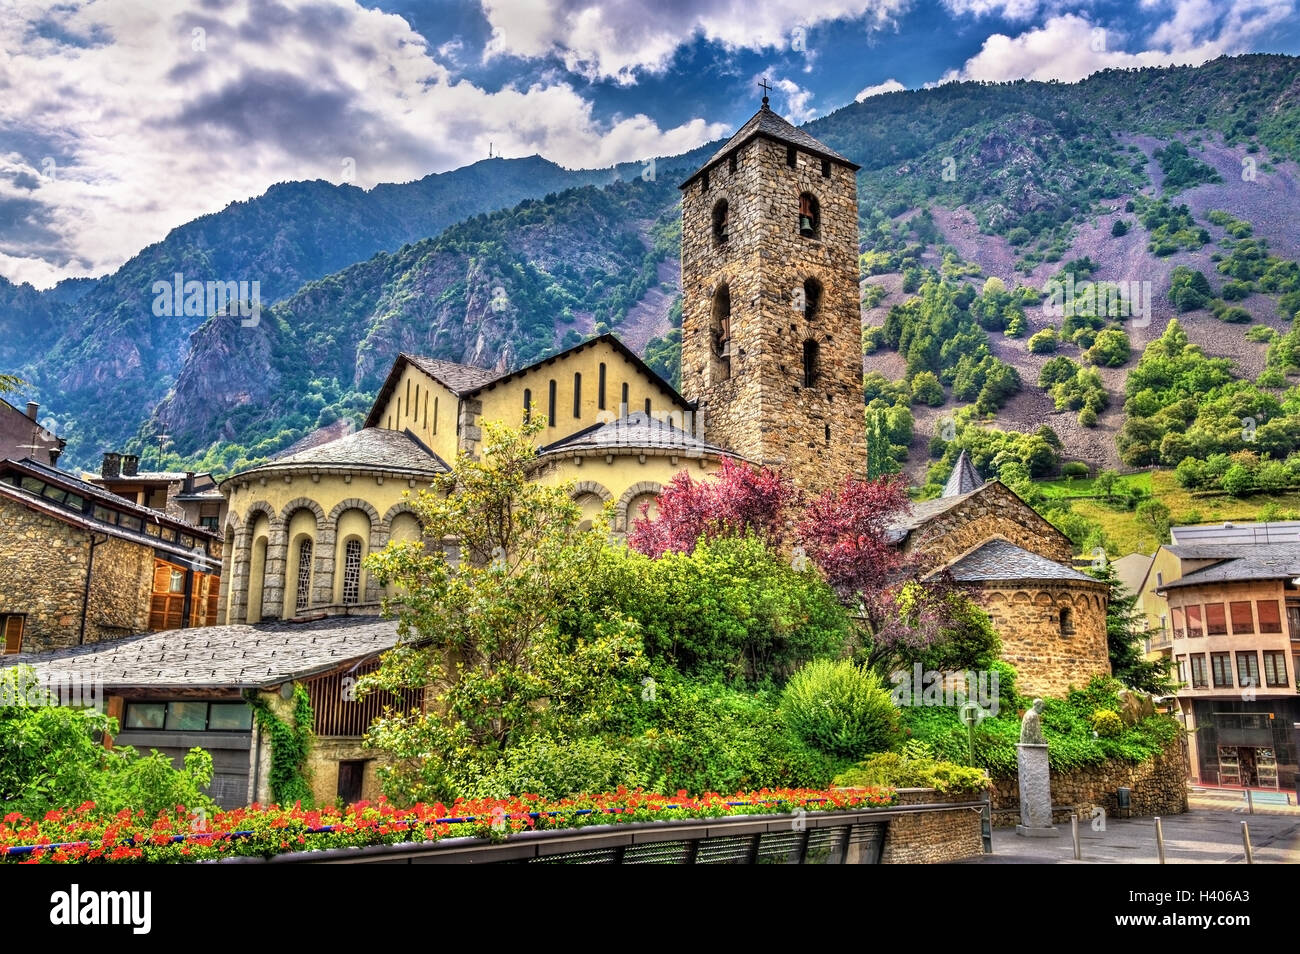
766	89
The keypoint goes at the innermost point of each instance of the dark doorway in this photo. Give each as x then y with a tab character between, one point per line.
350	774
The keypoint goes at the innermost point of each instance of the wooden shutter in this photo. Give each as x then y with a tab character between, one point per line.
13	634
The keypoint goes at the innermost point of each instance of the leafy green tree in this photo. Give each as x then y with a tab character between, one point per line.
1105	483
1043	342
926	389
51	757
1153	516
1110	348
496	632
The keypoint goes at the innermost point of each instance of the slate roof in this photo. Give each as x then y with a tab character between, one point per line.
768	123
467	381
637	431
922	512
1000	560
219	656
963	479
460	378
1245	562
375	448
87	518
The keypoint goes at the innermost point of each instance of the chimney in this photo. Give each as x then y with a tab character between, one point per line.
188	486
32	408
130	465
112	465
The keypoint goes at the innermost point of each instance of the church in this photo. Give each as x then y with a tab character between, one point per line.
771	374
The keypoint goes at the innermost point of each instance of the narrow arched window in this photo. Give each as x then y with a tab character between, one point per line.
1067	622
720	222
600	388
303	597
812	298
352	571
528	405
810	359
577	394
720	333
809	215
623	404
550	411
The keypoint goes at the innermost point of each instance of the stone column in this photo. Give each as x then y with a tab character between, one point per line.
322	585
1035	792
277	557
239	560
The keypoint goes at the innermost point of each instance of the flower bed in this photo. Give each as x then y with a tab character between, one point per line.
84	835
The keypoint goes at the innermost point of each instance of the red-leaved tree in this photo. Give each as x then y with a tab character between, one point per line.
845	532
736	499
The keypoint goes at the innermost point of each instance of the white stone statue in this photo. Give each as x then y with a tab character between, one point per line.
1031	727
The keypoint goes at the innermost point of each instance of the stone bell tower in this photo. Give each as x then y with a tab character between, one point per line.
771	326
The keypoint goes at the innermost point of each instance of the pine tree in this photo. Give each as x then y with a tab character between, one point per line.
1126	630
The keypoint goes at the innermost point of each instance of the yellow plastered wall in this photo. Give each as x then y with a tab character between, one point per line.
621	478
505	402
269	490
427	409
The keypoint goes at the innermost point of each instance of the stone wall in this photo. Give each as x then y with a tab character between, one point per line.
991	511
1027	617
933	837
760	407
326	753
43	575
1159	787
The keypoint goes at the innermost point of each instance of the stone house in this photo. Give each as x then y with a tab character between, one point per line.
173	691
1051	618
79	564
190	496
22	435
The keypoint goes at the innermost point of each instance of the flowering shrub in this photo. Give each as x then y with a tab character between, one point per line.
84	834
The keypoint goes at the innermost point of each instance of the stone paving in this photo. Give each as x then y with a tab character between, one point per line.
1202	836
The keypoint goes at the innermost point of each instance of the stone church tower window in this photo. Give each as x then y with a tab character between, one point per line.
771	316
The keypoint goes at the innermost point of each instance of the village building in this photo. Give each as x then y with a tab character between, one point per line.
189	496
174	691
22	435
1050	617
1223	604
79	564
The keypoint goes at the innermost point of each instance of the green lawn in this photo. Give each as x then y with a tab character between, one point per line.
1083	487
1121	526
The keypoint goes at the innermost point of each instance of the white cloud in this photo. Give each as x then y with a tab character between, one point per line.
616	39
1069	47
149	132
890	85
796	103
1006	9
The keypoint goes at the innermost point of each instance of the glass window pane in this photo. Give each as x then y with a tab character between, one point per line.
1247	669
190	716
1270	616
1180	628
1216	622
229	716
1194	621
1243	620
144	715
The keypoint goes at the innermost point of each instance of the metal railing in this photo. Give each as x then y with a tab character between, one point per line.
846	837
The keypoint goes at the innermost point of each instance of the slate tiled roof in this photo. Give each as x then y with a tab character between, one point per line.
963	479
219	656
371	447
921	513
1000	560
1246	562
460	378
638	431
765	122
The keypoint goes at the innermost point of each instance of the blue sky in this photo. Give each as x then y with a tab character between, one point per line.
121	119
